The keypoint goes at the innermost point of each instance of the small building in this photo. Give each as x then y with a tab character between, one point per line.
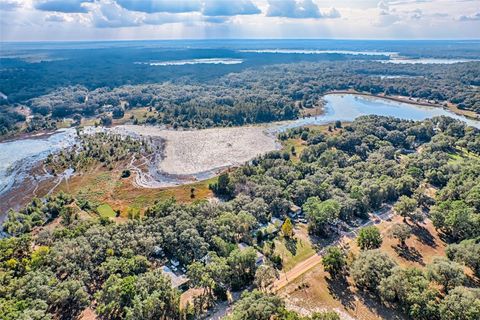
294	212
260	258
277	222
178	281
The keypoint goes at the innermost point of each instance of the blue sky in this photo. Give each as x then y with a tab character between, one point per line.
35	20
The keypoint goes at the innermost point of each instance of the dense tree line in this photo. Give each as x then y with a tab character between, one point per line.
9	120
116	264
370	163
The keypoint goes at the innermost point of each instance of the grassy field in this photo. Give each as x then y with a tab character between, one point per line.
294	250
298	144
103	187
104	210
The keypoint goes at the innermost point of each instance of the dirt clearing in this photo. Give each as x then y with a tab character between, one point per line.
193	152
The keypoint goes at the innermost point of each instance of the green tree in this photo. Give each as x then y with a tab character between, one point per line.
461	304
369	238
456	219
321	213
325	315
466	252
69	298
401	232
68	215
223	186
370	268
446	273
410	289
405	207
256	305
334	261
116	295
473	197
265	277
287	228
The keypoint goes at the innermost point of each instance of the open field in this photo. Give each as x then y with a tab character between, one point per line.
104	210
101	186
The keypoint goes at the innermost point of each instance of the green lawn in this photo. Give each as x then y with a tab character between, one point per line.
302	249
106	211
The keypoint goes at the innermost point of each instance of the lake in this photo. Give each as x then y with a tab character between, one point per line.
17	157
347	107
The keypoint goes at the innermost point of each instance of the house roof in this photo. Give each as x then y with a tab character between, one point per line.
177	281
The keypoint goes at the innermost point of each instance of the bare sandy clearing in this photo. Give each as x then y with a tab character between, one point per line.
192	152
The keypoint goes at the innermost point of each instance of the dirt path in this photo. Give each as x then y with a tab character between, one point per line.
309	263
286	277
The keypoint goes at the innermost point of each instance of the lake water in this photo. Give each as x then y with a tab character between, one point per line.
192	61
427	61
347	107
17	157
298	51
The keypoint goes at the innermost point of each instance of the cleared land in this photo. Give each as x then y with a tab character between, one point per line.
199	151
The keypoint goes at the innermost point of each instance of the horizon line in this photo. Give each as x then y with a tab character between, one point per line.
244	39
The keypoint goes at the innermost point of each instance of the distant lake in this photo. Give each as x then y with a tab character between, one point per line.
192	61
347	107
427	61
304	51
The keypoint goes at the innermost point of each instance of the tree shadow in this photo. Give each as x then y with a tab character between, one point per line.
373	303
472	281
319	243
291	245
408	253
423	235
340	290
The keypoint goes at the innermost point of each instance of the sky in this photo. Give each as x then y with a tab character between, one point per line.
58	20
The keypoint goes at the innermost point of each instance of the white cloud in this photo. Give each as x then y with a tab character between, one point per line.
57	18
472	17
153	6
385	19
91	19
108	14
297	9
67	6
229	8
10	5
332	13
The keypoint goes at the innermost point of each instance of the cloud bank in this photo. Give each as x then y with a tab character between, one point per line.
159	19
